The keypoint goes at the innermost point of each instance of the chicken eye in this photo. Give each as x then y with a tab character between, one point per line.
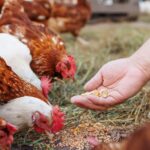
44	121
64	68
68	65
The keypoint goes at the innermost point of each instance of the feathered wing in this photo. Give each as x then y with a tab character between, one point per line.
16	54
38	10
12	86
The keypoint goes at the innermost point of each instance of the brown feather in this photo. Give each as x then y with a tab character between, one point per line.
12	86
37	10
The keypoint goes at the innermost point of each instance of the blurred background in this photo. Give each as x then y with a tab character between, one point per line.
119	9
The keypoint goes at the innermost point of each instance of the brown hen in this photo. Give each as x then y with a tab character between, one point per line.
70	16
49	56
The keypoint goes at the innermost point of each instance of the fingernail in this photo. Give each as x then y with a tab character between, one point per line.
86	86
73	100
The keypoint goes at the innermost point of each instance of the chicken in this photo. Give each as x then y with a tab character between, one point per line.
70	16
140	140
27	112
49	56
17	56
12	86
7	131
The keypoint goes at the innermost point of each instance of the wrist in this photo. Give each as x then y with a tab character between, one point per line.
143	64
141	59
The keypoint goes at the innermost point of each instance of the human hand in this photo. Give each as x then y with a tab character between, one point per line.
122	78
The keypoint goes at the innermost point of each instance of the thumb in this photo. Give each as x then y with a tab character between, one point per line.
95	82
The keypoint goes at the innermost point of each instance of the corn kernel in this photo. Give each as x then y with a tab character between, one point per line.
103	93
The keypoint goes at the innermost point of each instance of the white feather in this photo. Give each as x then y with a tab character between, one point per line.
19	111
17	56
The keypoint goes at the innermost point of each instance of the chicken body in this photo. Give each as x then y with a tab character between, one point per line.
49	57
12	86
20	111
70	16
18	57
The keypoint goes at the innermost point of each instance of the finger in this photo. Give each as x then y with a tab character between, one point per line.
104	102
89	106
83	102
94	83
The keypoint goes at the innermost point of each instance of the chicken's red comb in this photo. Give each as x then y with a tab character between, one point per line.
73	67
11	128
7	135
46	85
58	119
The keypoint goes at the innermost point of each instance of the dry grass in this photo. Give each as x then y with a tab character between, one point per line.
106	42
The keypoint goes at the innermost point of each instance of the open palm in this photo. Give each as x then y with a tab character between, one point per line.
123	79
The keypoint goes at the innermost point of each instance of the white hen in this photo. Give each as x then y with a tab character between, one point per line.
25	112
17	56
20	111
